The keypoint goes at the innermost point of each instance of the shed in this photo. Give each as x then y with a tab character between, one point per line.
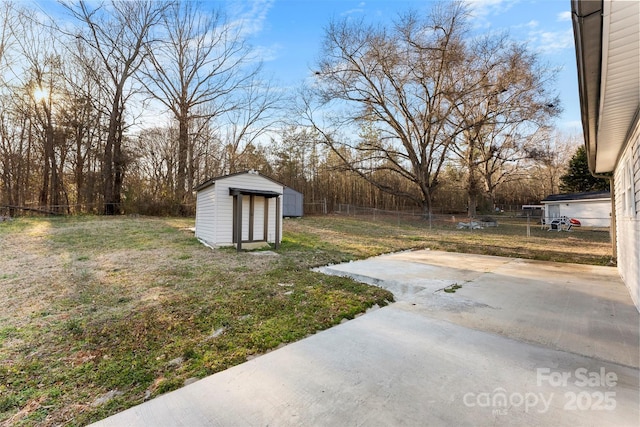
593	209
292	203
244	207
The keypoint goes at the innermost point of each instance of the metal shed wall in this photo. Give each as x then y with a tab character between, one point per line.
292	204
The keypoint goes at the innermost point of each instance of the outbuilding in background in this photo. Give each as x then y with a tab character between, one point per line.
241	208
293	203
593	209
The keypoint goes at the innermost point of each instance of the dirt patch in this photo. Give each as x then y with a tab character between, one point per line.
32	274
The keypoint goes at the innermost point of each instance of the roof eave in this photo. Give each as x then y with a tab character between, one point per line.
587	29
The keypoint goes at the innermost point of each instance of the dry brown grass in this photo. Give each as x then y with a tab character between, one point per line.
132	307
136	306
362	237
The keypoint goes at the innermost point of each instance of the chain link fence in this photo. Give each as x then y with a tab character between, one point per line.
461	220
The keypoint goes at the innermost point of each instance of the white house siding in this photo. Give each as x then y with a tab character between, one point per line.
591	213
224	206
627	176
206	215
553	211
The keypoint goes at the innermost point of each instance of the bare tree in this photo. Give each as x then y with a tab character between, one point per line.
203	70
43	85
551	157
295	157
7	35
424	90
208	152
118	33
158	159
402	82
85	118
9	170
505	104
242	126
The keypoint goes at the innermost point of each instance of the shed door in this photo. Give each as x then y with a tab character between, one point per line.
253	218
554	211
247	217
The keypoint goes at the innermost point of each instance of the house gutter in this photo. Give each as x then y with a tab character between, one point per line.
587	30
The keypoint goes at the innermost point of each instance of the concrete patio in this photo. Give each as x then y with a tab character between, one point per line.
518	343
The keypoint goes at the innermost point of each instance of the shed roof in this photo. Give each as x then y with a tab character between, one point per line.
249	192
211	181
291	190
591	195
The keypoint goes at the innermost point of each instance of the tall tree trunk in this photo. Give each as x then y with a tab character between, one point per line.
25	191
118	167
79	169
55	182
111	200
46	170
472	183
472	202
107	178
183	144
427	204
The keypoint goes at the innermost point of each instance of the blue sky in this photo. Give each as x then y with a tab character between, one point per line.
288	34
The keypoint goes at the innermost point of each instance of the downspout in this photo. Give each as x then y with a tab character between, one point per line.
612	229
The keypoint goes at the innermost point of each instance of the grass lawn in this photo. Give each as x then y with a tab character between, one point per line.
100	313
362	236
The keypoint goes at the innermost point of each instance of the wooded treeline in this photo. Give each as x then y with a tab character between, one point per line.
124	107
